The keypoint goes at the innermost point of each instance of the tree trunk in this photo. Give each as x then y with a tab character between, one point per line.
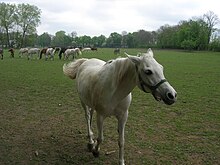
7	37
22	40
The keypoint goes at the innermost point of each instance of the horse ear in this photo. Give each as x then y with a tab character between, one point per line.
150	52
134	59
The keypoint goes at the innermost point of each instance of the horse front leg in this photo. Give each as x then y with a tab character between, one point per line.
100	138
28	56
46	57
121	127
52	56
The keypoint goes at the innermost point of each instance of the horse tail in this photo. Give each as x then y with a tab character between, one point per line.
71	68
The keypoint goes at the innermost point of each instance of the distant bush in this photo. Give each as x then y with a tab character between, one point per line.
215	45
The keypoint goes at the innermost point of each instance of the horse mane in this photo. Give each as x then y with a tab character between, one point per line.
71	68
123	68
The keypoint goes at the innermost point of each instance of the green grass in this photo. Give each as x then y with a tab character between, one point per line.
34	129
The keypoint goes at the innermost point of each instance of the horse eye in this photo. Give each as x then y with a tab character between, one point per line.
148	72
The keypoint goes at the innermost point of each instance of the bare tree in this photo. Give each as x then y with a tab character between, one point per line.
211	19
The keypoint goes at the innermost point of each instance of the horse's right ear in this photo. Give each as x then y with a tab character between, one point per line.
134	59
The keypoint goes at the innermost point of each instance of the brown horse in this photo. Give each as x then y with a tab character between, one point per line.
43	51
12	52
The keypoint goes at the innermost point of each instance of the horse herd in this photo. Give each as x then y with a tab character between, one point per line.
49	52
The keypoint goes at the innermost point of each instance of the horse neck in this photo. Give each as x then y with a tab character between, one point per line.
125	77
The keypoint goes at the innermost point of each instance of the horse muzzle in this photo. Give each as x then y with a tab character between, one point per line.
168	96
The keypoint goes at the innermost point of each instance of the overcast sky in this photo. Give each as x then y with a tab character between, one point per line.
96	17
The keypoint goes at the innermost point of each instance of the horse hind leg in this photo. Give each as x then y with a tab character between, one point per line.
88	116
100	138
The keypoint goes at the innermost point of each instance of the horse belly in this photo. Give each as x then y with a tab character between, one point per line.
103	102
95	97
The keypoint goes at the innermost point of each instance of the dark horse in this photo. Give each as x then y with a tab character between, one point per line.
62	50
94	48
12	52
1	53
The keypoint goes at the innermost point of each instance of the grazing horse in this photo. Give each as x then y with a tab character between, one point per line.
43	51
33	51
22	51
56	49
117	51
86	49
94	49
50	52
73	52
106	88
62	50
1	53
11	50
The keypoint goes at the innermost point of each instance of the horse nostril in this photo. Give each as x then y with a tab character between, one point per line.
170	96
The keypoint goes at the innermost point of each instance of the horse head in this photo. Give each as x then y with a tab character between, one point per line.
151	79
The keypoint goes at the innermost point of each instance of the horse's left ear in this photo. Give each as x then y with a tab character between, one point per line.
134	59
150	52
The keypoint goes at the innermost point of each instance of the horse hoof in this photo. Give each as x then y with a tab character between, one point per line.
95	154
90	147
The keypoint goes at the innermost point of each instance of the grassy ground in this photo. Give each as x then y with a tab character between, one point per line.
42	122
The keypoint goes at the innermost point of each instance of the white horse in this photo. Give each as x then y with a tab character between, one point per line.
106	87
50	53
22	51
86	49
33	51
73	52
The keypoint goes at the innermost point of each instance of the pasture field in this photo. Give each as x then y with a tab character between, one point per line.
42	122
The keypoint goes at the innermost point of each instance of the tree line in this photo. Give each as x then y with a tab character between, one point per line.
18	29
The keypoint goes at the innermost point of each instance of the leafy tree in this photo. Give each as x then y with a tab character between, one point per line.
85	40
31	40
114	40
193	33
188	44
44	40
28	18
167	37
130	40
61	39
101	40
215	45
7	18
145	38
98	41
